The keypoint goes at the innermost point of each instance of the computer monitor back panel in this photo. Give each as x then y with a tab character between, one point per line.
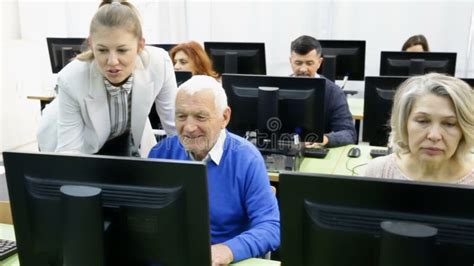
335	220
181	77
237	57
469	81
155	211
300	105
378	101
166	46
416	63
62	50
350	58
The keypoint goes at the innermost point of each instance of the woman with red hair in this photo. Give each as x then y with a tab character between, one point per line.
190	56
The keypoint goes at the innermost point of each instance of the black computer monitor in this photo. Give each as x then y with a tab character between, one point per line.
416	63
335	220
166	46
181	77
469	81
155	212
237	57
62	50
343	58
378	101
298	105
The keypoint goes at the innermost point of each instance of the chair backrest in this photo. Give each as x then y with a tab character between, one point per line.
5	213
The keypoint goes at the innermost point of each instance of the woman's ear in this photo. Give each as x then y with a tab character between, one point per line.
141	44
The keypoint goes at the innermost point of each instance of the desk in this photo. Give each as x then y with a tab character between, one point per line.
328	165
7	232
44	100
345	163
336	162
356	106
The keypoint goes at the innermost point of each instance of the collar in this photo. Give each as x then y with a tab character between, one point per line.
315	75
215	154
114	91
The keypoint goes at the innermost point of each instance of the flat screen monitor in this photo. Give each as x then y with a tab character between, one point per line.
166	46
237	57
181	77
154	212
378	101
335	220
416	63
469	81
295	107
343	58
62	50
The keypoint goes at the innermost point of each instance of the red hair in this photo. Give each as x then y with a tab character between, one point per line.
195	52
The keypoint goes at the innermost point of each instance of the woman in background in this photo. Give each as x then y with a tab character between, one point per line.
432	134
416	43
106	93
190	56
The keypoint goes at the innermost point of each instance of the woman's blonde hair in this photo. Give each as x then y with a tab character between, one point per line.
456	90
114	14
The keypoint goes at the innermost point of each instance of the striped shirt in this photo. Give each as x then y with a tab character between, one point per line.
120	100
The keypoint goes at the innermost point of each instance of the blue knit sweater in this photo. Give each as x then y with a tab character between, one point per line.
244	213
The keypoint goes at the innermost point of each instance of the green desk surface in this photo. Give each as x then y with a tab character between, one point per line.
354	166
7	232
323	166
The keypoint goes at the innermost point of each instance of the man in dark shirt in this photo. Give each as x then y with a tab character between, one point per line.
305	59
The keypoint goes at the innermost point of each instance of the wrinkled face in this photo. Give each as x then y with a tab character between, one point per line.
199	122
182	62
305	65
433	129
415	48
115	51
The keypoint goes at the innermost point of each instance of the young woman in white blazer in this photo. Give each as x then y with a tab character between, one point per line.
106	93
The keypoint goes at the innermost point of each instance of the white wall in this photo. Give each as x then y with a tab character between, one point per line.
385	25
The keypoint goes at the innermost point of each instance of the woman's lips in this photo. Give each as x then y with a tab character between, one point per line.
433	151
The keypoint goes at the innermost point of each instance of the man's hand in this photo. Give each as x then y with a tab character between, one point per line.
221	255
317	144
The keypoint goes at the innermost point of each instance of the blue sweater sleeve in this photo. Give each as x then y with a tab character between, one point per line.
262	208
341	127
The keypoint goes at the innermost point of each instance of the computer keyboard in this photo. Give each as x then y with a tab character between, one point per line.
378	152
7	248
318	152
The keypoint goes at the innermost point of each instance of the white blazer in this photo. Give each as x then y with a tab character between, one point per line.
78	121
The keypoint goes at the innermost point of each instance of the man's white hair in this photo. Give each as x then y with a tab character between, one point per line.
199	83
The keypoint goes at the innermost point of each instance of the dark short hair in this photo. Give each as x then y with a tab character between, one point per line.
419	39
305	44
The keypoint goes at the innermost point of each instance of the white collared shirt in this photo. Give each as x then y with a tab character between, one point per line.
215	154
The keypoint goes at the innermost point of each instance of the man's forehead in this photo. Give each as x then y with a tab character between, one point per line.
313	54
201	98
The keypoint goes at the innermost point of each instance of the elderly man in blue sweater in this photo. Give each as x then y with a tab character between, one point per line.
244	215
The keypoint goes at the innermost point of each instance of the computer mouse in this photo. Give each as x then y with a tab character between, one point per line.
354	152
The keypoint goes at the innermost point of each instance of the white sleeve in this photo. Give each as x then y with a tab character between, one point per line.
70	123
165	100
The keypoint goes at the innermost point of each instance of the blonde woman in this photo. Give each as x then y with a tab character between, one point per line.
432	134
